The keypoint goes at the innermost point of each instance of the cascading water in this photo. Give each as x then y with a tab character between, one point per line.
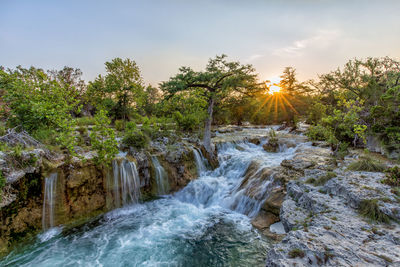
201	162
161	177
126	183
204	224
49	201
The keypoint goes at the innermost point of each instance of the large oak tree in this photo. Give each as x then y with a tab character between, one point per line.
220	79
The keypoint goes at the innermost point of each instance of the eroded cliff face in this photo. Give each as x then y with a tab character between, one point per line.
82	190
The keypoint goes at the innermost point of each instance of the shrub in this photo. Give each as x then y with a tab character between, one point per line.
187	122
85	121
317	133
135	139
150	127
316	112
46	136
392	176
369	208
103	139
130	126
119	125
296	253
367	164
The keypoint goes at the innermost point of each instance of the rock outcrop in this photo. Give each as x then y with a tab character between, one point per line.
321	214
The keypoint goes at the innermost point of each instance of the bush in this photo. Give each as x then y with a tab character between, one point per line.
46	136
85	121
316	112
130	126
135	139
150	127
366	164
369	208
187	122
296	253
119	125
392	176
317	133
103	139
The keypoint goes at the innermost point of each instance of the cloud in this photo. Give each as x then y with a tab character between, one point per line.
322	39
254	57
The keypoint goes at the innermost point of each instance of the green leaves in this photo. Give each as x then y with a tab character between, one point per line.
119	89
103	139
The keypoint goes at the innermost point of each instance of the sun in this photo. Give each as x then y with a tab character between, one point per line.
273	89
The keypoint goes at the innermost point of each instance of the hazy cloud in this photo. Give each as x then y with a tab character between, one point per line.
322	39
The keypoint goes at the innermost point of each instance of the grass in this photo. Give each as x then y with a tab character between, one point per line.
84	121
366	164
322	179
392	176
296	253
369	208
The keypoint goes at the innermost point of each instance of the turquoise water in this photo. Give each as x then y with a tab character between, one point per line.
197	226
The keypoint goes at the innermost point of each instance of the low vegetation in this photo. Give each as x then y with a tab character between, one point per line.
369	208
367	164
322	179
296	253
392	176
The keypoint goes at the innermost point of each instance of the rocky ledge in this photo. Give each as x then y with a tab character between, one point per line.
322	214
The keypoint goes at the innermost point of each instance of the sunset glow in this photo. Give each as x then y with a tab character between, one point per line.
274	89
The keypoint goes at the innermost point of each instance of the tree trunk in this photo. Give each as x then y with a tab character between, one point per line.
207	128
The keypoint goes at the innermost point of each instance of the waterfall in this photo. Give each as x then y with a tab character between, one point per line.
161	177
49	201
251	194
126	183
200	161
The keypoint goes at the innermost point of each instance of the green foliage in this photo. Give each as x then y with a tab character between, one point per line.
103	139
85	121
316	112
322	179
136	139
296	253
188	122
35	100
130	126
366	163
119	125
121	87
369	208
320	133
47	136
392	176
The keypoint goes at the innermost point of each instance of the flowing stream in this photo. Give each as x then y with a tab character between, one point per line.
207	223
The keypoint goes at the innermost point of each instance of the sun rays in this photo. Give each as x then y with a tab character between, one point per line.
277	102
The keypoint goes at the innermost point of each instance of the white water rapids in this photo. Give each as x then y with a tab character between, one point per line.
207	223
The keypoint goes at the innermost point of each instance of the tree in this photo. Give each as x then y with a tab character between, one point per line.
122	84
220	79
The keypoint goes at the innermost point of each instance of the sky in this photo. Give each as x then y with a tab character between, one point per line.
314	36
